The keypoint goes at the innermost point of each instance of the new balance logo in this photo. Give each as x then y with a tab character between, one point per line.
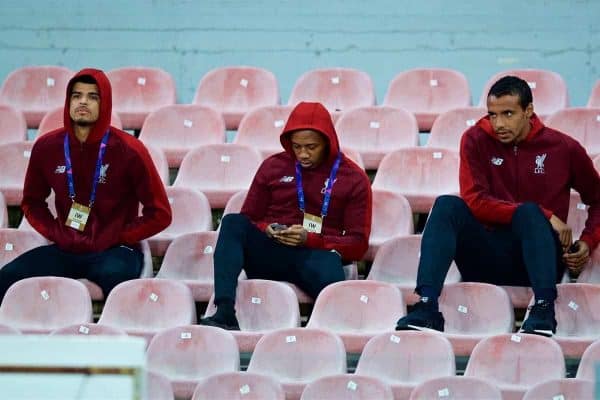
60	169
497	161
286	179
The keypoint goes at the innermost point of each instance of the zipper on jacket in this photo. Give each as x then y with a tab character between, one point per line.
516	152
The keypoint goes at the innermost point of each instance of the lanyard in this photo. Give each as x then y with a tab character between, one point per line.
69	167
328	187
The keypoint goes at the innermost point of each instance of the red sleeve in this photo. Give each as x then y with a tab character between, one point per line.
258	199
587	182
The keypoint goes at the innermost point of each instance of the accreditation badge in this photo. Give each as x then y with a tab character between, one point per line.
78	216
312	223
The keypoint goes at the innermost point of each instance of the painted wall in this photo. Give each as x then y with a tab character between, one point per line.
381	37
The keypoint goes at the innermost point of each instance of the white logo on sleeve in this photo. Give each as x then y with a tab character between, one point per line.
60	169
539	164
286	179
103	169
497	161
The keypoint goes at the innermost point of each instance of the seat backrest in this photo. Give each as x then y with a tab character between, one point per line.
589	359
407	357
594	99
190	256
298	355
239	386
3	213
565	388
53	119
338	89
14	242
160	163
149	304
357	306
192	352
448	128
35	90
456	388
8	330
577	309
89	329
14	158
235	203
191	211
13	126
392	215
582	124
516	359
46	303
591	272
158	387
548	88
578	213
347	387
261	128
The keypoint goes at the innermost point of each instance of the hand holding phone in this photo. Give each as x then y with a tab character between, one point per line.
278	227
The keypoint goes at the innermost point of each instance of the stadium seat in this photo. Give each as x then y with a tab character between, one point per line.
14	158
235	203
178	128
234	91
594	99
158	387
397	262
13	127
239	386
3	212
35	90
188	354
375	131
456	388
42	304
392	217
591	272
347	387
474	311
54	119
420	174
219	171
189	259
561	389
8	330
89	329
143	307
582	124
404	359
354	156
448	127
138	91
589	360
597	163
338	89
160	163
428	92
516	362
260	128
357	310
261	306
577	215
548	88
298	356
191	213
14	242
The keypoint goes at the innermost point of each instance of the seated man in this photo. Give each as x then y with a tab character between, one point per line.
307	212
99	175
508	227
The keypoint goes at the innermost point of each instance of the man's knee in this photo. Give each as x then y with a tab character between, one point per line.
449	205
527	212
234	222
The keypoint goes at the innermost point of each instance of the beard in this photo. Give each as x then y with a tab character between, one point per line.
83	123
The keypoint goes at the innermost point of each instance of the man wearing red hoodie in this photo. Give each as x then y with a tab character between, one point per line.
99	175
307	212
508	227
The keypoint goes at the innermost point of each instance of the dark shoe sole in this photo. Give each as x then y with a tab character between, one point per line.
540	332
416	328
209	322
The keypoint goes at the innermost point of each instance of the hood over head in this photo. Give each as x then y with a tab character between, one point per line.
311	116
105	92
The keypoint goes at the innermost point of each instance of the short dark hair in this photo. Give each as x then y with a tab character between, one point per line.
84	79
515	86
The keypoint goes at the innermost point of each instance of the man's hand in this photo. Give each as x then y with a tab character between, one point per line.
295	235
565	235
577	260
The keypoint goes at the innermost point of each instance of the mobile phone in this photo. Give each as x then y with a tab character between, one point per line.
574	248
278	227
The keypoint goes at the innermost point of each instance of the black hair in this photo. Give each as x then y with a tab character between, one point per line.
515	86
84	79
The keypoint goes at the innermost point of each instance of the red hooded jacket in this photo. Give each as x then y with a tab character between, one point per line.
495	178
273	197
129	178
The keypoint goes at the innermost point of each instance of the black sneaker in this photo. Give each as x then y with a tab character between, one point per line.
422	317
541	319
230	324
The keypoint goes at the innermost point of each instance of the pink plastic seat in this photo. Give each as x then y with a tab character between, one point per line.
3	212
178	128
35	90
234	91
8	330
428	92
219	171
397	262
376	131
597	163
14	242
420	174
591	272
392	217
297	356
13	127
160	162
548	88
565	388
582	124
474	311
354	156
188	354
53	119
143	307
191	213
594	99
138	91
261	306
42	304
516	362
14	158
89	329
158	387
589	360
404	359
260	128
448	127
456	388
338	89
235	203
577	214
239	386
519	295
357	310
347	387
